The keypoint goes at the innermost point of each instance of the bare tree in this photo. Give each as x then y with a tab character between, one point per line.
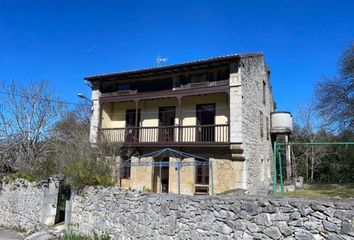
74	155
40	136
27	113
307	129
335	95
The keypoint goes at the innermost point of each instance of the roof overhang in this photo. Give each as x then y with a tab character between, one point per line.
170	69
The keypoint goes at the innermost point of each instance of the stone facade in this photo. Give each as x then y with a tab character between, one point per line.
257	148
187	177
142	176
138	215
226	174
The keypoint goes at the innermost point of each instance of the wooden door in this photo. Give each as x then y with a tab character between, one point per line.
205	123
166	123
132	130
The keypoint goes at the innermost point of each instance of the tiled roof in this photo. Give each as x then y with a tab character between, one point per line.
166	67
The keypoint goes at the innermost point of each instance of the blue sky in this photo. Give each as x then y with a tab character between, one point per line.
64	41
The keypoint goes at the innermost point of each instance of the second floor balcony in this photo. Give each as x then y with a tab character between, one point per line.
200	118
196	135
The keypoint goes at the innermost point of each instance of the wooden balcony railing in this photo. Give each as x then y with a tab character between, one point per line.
168	135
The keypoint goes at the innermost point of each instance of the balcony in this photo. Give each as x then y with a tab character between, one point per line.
198	135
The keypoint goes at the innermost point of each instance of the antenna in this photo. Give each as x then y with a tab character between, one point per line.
159	60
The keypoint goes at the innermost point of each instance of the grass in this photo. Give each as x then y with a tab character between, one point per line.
74	236
325	191
19	229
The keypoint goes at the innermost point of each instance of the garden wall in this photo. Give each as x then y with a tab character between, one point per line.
20	205
26	206
134	215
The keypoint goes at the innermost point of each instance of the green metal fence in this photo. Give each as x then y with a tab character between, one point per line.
278	148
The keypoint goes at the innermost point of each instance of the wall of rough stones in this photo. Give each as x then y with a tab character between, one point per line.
134	215
257	149
20	205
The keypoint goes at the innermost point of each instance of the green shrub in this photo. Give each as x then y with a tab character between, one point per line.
39	171
44	169
83	173
13	176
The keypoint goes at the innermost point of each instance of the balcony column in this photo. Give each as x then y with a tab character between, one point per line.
96	114
179	119
136	121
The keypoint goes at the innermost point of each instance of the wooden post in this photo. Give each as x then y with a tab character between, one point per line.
136	122
179	120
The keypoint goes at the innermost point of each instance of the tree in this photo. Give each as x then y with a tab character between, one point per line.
27	114
73	156
335	95
40	136
307	129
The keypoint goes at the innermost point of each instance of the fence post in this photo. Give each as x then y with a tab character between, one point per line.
68	209
179	177
160	177
50	210
281	174
211	177
275	168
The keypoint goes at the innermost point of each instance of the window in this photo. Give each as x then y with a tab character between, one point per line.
155	85
264	92
261	123
126	169
123	87
267	123
198	77
202	174
183	79
223	74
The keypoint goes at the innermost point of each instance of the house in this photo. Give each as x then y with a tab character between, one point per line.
217	108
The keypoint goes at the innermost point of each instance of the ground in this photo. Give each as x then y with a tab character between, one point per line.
52	233
325	191
6	234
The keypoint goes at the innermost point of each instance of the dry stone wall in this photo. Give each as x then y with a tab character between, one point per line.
27	206
139	215
20	205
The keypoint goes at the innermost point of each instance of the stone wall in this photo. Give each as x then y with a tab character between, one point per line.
20	205
134	215
257	149
28	205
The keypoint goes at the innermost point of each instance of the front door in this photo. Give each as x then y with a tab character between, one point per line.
161	175
205	123
131	129
166	123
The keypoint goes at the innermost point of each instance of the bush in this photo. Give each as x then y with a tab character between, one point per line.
85	172
13	176
39	171
44	169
